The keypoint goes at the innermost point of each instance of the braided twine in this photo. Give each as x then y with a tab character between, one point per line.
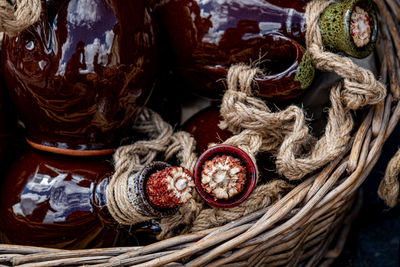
131	159
17	15
303	222
388	189
256	129
284	133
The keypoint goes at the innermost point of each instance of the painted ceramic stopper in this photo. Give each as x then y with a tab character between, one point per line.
225	176
60	201
356	33
159	189
80	76
209	36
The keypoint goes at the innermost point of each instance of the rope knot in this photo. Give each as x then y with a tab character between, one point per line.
360	87
131	159
16	18
285	133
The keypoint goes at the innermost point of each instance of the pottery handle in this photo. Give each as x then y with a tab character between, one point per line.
293	71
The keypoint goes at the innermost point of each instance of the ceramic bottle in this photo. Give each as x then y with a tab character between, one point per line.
60	201
80	76
209	36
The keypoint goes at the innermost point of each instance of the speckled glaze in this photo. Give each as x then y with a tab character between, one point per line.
305	72
59	201
245	160
209	36
80	75
140	199
335	22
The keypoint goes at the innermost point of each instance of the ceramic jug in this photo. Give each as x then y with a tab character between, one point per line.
60	201
82	73
209	36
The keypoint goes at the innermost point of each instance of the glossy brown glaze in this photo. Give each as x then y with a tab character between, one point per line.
241	159
204	128
81	74
209	36
10	135
59	201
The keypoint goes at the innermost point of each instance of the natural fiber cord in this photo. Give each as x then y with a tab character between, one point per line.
389	187
263	196
19	15
307	225
285	133
257	129
131	159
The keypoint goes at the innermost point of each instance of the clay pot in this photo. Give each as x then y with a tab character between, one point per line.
204	127
225	176
56	201
60	201
80	76
209	36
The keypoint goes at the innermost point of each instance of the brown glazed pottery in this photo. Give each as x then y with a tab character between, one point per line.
59	201
216	175
209	36
80	76
10	135
204	127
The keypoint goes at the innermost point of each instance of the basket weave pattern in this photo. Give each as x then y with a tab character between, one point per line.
299	228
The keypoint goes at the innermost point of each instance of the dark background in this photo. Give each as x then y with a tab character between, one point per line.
375	234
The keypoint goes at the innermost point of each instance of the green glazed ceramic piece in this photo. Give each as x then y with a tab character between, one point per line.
305	72
350	26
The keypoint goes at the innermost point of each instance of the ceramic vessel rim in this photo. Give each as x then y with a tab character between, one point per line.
362	4
144	175
296	61
228	150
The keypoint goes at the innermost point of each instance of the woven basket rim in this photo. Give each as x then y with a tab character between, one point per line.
320	196
299	227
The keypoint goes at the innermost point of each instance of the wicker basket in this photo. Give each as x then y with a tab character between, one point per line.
308	226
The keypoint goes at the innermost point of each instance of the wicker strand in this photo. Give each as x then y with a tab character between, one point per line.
388	189
263	196
360	88
18	16
285	226
285	133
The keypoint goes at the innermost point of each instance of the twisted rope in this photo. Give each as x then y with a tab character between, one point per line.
18	16
262	196
388	189
131	159
182	220
360	88
285	133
